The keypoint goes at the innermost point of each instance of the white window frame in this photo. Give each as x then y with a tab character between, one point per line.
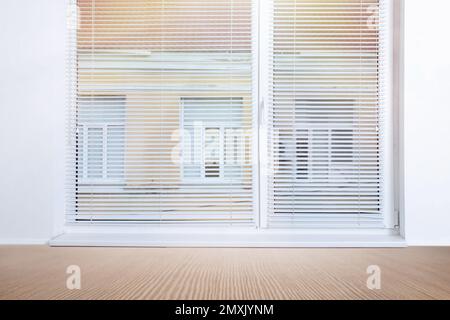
222	127
392	236
202	126
83	177
389	213
84	126
309	130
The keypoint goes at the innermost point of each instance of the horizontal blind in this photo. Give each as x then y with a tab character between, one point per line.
325	113
161	112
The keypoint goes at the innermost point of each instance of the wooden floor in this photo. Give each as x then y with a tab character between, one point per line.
39	272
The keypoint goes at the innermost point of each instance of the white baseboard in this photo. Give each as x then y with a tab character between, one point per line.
430	243
22	242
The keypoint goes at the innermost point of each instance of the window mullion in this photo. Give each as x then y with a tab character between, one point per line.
264	34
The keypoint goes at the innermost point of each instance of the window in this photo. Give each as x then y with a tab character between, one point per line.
267	114
143	72
326	110
213	139
321	139
101	139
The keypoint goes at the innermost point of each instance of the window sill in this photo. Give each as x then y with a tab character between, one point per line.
240	238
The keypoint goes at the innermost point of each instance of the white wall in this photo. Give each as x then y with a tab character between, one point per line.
427	122
32	106
32	119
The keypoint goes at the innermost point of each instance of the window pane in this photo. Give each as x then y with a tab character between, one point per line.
95	153
152	73
106	114
212	153
325	111
192	153
115	152
234	152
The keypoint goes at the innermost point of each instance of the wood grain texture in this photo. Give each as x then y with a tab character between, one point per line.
39	272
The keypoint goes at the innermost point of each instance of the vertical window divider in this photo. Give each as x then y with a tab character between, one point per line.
257	106
264	46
